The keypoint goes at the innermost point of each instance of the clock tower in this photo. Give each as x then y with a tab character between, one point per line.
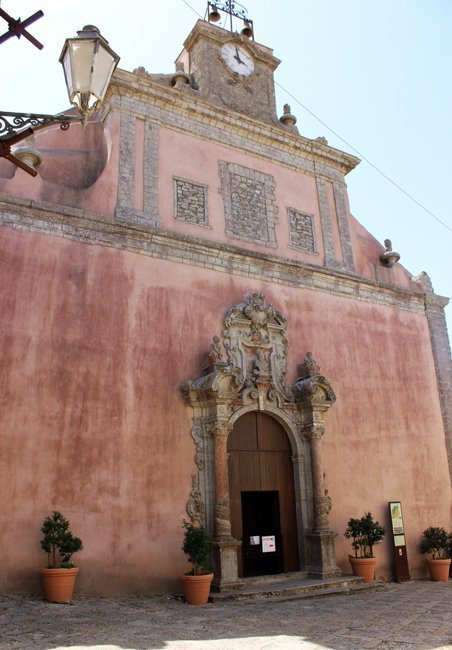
232	71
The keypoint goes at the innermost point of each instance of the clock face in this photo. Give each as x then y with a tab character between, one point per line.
237	59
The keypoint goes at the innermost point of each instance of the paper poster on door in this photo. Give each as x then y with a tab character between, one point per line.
268	544
255	540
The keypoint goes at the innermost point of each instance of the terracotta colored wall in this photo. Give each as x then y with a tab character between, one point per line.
94	345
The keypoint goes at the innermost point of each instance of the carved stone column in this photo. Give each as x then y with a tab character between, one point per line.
225	546
222	506
321	557
314	431
315	396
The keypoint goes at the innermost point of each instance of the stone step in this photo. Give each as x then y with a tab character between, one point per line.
288	587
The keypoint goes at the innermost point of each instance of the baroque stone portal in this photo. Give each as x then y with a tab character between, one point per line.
250	376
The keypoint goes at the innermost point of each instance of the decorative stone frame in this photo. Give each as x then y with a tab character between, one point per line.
257	225
252	379
201	191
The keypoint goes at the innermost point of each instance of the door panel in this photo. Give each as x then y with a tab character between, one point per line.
260	462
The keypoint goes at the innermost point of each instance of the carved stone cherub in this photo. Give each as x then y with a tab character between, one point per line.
215	351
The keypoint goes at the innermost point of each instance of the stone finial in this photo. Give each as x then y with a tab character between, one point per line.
424	280
142	71
389	257
309	367
180	78
287	118
321	140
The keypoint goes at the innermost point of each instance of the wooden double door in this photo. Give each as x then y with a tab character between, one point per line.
262	496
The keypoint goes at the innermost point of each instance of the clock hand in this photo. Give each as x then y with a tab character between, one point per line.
237	56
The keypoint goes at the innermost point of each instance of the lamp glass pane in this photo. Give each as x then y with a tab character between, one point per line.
103	67
68	70
82	52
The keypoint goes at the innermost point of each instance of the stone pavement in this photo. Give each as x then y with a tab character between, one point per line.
414	615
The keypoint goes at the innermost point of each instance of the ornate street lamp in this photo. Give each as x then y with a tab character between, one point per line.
88	64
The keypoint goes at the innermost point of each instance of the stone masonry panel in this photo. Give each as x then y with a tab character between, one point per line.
301	230
190	202
249	204
249	215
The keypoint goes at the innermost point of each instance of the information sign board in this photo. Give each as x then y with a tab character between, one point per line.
402	571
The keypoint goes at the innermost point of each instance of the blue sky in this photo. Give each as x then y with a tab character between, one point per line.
378	74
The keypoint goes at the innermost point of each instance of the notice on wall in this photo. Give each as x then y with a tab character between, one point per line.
268	544
255	540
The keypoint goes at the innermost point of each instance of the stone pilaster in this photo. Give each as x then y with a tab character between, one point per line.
434	309
325	220
125	208
344	231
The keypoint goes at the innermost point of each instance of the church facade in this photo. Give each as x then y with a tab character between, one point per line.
195	326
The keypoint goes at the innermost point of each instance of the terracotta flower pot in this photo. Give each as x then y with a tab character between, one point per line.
439	569
196	588
364	567
59	584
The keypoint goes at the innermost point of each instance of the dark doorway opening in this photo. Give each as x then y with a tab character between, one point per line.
262	543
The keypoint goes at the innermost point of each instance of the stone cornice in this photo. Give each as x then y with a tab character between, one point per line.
50	219
144	96
432	300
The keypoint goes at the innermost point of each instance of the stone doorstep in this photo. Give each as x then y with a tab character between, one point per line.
292	586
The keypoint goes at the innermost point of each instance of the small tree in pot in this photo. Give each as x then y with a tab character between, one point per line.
60	545
364	533
196	546
436	542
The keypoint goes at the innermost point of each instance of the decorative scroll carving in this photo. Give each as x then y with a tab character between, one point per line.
195	506
196	434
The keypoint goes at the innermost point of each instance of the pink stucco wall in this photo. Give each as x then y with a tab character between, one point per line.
185	156
95	343
78	168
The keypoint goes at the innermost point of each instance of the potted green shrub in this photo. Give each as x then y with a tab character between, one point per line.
196	546
364	533
60	545
436	542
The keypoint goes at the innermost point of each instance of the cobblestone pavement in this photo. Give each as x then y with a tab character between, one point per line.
402	616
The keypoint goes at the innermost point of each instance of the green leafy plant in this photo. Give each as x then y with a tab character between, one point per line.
59	539
364	533
196	546
437	542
